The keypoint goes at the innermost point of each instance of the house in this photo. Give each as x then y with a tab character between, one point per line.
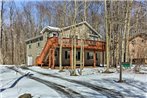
45	48
138	48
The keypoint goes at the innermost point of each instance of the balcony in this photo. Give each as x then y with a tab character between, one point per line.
88	44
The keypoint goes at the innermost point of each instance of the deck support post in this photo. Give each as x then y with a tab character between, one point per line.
53	58
103	58
83	58
94	63
71	58
49	65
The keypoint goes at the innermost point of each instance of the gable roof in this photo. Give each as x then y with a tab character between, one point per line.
56	29
49	28
142	35
81	23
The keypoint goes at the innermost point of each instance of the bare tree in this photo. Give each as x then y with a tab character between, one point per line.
107	35
1	33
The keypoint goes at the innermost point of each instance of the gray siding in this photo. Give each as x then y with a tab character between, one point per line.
82	31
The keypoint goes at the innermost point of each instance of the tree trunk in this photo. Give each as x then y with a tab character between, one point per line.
1	33
74	40
128	31
60	53
107	37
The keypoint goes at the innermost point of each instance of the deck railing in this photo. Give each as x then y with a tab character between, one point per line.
87	43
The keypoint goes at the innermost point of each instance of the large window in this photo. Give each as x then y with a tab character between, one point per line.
56	53
78	55
67	54
96	56
89	55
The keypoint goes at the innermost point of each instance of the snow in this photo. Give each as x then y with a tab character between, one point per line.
135	85
50	29
25	85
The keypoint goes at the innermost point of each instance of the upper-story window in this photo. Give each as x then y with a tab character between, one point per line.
52	34
38	44
29	46
41	38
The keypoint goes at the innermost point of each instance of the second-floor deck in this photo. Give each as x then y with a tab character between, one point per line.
87	44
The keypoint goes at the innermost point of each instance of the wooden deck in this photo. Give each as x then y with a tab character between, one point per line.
54	42
88	44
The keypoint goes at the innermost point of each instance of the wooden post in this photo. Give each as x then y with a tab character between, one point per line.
83	58
94	62
49	65
71	58
53	58
60	52
103	58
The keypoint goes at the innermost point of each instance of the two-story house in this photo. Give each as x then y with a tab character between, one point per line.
44	49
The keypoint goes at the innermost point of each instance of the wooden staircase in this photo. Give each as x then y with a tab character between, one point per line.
50	44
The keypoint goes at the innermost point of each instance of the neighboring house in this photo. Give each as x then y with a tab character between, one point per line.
44	49
138	48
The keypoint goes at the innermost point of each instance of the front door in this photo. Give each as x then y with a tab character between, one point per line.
30	60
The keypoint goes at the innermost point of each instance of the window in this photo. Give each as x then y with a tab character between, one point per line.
76	36
38	44
54	35
78	56
56	53
96	56
41	38
29	46
67	54
89	55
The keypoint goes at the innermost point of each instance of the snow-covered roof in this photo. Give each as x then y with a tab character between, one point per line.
49	28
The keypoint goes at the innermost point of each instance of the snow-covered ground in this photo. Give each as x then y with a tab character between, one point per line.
135	85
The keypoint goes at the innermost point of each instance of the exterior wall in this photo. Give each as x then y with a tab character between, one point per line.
35	50
82	31
138	48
